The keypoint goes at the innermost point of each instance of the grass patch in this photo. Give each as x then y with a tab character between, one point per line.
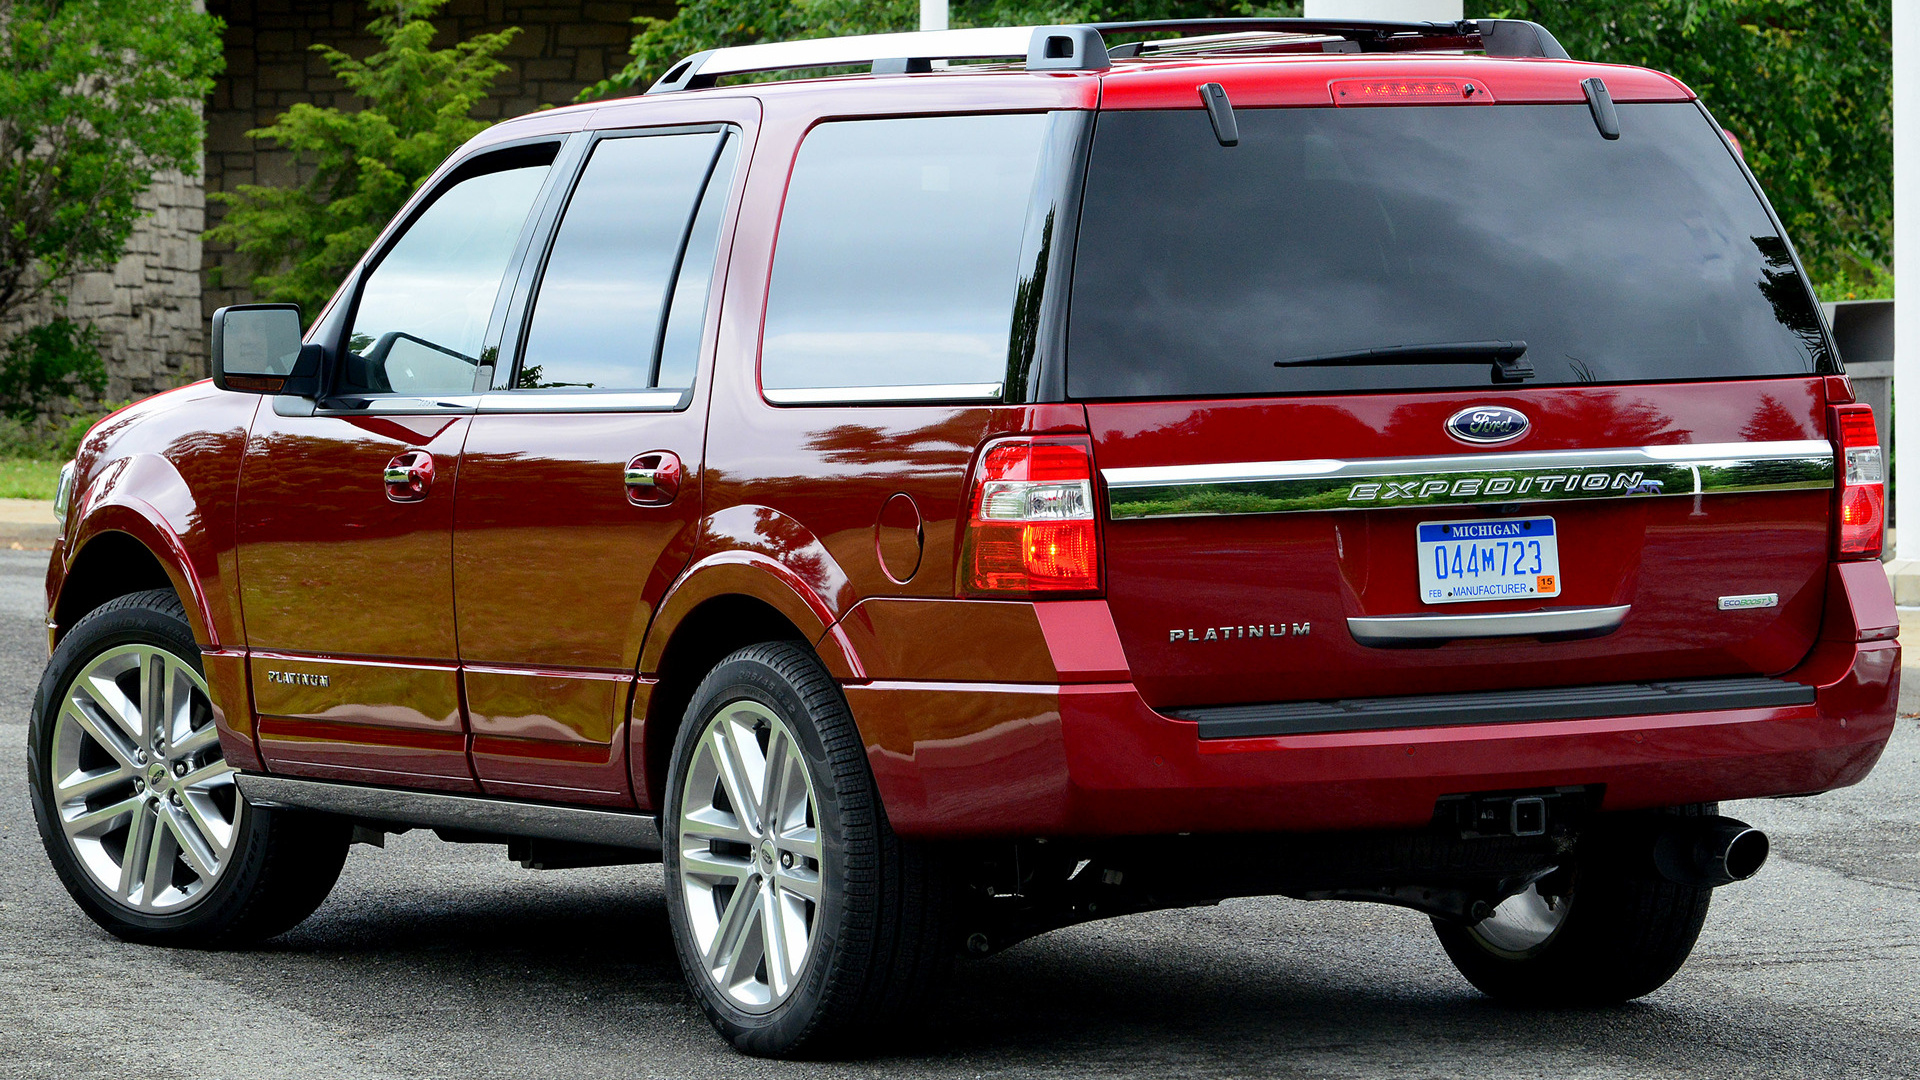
25	479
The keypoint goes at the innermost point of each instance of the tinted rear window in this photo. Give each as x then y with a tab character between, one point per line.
1332	230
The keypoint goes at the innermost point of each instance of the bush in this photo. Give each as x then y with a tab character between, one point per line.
46	362
365	164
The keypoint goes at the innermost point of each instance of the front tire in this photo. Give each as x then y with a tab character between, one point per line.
1602	934
799	918
136	805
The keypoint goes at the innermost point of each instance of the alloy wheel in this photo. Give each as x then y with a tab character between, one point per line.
750	855
142	793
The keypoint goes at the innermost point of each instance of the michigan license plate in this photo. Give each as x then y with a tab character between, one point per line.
1497	559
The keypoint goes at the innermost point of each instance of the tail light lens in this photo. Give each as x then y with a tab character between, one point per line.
1031	526
1862	513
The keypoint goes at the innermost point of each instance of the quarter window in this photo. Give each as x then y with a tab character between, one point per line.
423	313
621	249
898	258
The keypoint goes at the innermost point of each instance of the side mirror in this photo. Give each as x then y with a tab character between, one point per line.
257	350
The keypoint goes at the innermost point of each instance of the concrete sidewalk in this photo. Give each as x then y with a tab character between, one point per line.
27	525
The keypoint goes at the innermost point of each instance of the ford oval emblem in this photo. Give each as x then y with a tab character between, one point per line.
1485	424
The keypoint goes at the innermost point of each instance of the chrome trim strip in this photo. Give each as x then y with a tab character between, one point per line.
507	817
865	395
556	401
1388	631
1269	487
400	405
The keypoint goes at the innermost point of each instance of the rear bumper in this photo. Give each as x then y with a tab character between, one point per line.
994	759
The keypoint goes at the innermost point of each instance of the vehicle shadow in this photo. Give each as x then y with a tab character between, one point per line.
1269	988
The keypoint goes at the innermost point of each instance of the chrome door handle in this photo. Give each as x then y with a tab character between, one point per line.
653	478
409	475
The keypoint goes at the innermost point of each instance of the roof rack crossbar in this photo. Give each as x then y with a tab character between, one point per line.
1081	47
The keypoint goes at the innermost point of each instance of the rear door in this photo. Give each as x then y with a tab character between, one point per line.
580	483
1420	399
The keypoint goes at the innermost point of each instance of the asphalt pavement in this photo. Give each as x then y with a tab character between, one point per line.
443	960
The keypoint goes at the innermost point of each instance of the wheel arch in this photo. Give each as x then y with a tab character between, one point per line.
722	604
118	550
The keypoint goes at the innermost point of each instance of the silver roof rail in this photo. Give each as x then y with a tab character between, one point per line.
1045	48
1083	48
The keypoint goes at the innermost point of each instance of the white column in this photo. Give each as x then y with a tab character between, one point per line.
1391	10
933	14
1906	274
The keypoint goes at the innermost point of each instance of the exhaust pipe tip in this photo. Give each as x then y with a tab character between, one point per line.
1706	853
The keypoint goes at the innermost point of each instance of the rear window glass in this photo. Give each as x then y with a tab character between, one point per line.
898	256
1330	232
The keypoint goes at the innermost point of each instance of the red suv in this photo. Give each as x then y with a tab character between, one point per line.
1016	481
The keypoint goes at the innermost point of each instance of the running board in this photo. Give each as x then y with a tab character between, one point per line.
1495	707
468	813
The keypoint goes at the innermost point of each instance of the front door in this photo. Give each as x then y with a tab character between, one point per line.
346	515
580	484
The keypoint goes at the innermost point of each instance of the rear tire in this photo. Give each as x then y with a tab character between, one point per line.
852	925
134	801
1611	935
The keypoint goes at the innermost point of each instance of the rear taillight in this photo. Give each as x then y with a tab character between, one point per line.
1862	513
1030	521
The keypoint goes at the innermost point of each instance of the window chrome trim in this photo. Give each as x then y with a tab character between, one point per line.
550	401
398	405
1270	487
866	395
1390	631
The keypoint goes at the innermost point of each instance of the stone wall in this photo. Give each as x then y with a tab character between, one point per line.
563	47
147	307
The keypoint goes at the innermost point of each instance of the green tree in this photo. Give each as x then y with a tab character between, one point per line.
363	165
712	24
1805	85
96	98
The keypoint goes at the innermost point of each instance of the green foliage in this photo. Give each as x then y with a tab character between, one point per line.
1805	85
712	24
96	97
48	361
363	165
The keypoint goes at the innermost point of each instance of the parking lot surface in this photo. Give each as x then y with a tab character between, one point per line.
442	960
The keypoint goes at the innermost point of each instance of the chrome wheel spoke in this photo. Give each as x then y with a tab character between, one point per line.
802	841
723	953
773	936
159	868
195	846
804	884
212	829
215	774
107	737
94	822
105	695
193	743
133	862
77	786
736	776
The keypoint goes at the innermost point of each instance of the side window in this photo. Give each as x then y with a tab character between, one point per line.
898	258
630	265
423	312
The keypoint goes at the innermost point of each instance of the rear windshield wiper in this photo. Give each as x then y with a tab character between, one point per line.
1507	357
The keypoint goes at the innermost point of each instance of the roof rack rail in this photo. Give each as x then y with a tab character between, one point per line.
1498	37
1083	47
1045	48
